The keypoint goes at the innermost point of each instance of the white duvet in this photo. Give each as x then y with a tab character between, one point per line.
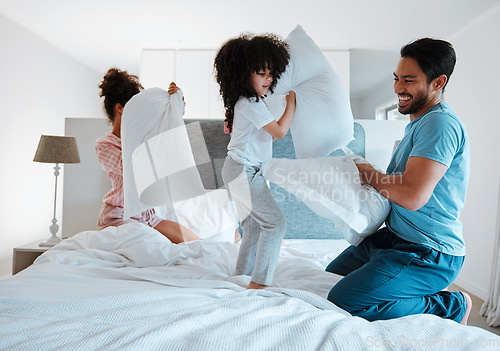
128	288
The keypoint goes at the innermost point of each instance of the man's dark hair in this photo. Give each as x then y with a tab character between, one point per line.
435	57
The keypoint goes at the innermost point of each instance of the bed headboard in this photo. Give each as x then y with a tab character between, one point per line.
85	183
215	140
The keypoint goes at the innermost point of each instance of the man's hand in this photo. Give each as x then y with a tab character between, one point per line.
366	172
410	190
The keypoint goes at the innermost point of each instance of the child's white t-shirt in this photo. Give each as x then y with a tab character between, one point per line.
250	144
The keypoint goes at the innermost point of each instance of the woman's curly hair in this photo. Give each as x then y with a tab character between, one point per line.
118	87
238	58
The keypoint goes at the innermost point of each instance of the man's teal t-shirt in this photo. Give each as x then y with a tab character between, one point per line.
437	135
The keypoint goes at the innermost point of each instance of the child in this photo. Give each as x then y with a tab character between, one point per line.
246	69
117	88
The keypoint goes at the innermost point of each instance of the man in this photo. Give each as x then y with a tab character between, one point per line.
403	268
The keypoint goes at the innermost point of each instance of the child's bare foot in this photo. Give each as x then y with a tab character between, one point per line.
237	236
254	285
469	307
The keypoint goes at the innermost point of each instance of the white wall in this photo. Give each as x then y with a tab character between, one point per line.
356	107
380	136
192	70
368	102
472	93
40	87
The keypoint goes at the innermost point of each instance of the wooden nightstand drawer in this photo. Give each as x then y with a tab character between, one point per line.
25	255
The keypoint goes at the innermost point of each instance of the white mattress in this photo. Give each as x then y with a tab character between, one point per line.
130	289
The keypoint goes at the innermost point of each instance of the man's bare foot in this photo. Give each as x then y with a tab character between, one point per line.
254	285
469	307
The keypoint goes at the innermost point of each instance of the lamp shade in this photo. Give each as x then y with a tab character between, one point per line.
57	149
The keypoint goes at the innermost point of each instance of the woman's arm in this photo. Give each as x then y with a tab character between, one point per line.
278	129
410	190
173	88
110	157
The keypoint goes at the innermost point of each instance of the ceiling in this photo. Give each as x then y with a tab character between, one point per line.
106	33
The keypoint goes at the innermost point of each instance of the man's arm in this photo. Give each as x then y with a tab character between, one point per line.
410	190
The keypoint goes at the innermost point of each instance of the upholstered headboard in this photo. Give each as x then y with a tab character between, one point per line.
85	184
216	141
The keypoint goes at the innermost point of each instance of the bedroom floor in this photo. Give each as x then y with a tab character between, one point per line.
475	319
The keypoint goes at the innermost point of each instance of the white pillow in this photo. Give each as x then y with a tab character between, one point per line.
158	163
330	186
211	216
323	118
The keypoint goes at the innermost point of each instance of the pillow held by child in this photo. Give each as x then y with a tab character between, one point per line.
323	119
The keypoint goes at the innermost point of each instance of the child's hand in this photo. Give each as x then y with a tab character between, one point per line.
172	88
226	128
291	98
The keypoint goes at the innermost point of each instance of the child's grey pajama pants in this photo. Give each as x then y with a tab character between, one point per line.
261	219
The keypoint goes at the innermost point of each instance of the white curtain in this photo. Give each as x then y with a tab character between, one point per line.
491	308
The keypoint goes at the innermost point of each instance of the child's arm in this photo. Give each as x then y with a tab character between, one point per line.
278	129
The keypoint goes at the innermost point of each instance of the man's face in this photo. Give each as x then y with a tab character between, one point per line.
410	84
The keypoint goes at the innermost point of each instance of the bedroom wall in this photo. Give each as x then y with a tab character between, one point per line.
41	86
356	107
192	70
472	93
370	100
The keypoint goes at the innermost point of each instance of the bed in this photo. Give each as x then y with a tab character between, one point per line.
128	288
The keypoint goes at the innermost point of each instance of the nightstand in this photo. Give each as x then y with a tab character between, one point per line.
25	255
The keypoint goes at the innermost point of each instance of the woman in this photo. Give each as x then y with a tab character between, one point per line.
117	88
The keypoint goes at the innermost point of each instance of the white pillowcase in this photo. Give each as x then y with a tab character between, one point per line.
158	163
323	118
211	216
330	186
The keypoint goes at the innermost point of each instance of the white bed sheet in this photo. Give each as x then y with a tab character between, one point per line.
128	288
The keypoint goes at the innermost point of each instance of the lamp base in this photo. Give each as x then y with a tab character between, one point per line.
52	241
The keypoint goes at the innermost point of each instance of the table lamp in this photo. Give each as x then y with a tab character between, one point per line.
56	149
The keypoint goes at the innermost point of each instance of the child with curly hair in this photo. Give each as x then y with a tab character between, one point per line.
247	68
117	88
